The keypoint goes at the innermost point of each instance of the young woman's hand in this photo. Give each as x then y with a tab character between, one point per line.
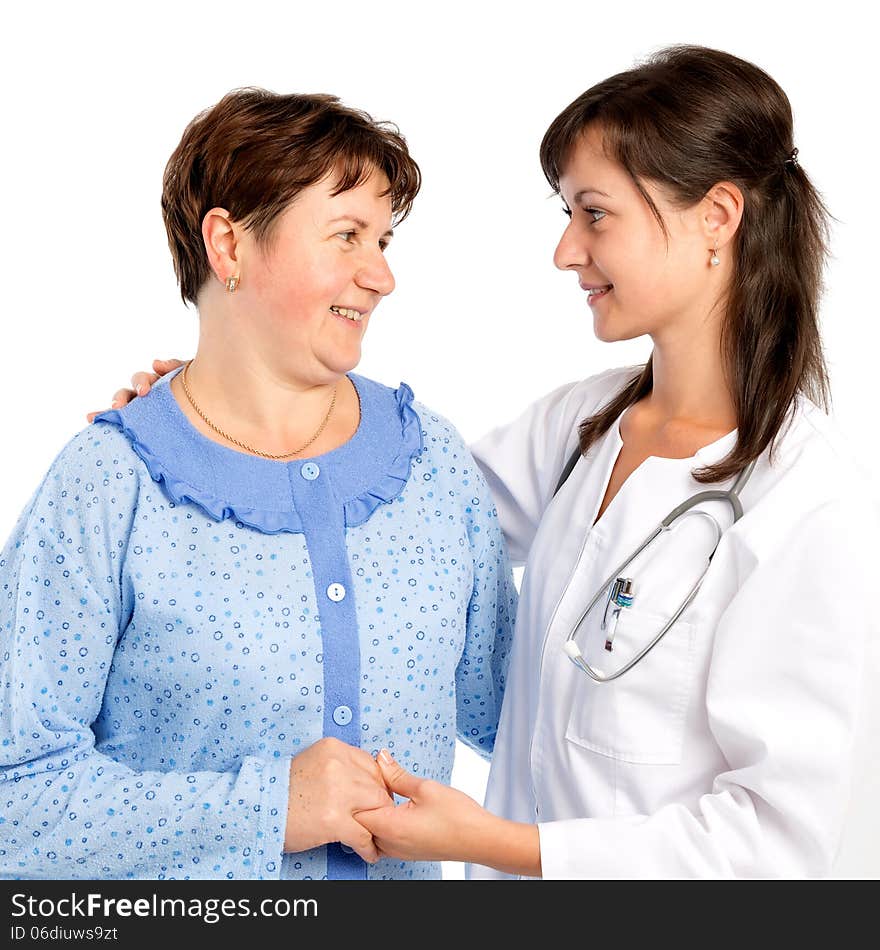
141	383
438	823
329	782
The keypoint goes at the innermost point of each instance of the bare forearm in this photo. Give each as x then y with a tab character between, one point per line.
509	846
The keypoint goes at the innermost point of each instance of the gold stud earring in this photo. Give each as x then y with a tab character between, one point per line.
232	283
715	260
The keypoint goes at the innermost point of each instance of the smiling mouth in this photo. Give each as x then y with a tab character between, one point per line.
354	315
597	293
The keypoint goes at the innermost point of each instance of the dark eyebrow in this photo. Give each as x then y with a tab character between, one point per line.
361	224
589	191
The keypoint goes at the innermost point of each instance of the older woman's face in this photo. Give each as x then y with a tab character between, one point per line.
315	288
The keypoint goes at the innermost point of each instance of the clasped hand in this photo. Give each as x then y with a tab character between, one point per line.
340	793
437	823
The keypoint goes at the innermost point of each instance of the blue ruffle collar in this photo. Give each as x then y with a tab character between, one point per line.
369	470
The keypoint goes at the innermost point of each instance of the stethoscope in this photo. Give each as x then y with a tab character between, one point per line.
618	588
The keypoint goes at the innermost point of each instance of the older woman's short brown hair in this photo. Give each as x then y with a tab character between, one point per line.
255	151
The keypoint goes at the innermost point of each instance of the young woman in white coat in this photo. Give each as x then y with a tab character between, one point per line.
728	748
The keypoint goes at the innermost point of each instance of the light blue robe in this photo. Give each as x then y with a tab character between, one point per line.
179	619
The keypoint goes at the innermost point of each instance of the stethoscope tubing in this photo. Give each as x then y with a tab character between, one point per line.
731	496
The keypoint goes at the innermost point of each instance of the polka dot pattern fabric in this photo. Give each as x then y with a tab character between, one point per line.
161	666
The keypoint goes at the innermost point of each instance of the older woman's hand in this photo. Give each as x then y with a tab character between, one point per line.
140	385
329	782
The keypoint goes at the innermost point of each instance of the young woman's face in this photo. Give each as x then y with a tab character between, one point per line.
314	289
614	241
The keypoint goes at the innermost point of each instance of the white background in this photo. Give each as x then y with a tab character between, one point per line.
96	96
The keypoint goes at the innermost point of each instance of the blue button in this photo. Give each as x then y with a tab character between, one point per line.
336	592
347	850
310	471
342	715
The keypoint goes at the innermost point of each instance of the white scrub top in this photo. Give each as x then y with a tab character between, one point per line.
729	749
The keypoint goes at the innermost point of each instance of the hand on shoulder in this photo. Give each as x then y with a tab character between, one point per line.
141	384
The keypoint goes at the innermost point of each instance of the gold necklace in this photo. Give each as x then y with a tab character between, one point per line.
242	445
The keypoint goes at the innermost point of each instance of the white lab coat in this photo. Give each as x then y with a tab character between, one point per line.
728	751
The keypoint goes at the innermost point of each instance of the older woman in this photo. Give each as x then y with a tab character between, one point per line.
223	598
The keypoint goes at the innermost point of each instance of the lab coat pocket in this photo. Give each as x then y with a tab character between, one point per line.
639	717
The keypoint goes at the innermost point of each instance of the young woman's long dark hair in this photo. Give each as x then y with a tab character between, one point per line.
688	118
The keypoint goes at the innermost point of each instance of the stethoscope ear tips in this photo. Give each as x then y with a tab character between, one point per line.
571	649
